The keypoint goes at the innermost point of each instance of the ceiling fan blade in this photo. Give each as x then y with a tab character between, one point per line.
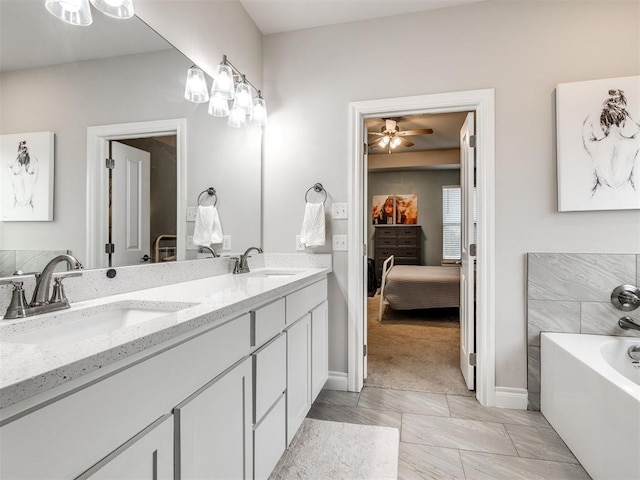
405	142
375	142
422	131
375	133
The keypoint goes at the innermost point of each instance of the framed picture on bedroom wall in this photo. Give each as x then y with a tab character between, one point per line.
26	177
383	210
406	209
598	144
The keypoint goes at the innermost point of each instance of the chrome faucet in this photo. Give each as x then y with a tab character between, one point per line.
241	265
204	248
628	323
41	302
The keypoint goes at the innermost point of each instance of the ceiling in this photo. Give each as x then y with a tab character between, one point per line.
274	16
446	131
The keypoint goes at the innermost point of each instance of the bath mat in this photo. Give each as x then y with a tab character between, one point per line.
324	450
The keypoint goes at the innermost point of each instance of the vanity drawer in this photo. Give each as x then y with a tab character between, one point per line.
270	440
303	301
267	322
270	375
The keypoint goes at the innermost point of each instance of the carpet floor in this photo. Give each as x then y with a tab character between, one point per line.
414	350
323	450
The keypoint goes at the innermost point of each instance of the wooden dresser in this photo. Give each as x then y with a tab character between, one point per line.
402	241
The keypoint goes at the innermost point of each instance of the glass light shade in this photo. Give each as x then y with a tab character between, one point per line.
395	141
244	99
115	8
75	12
196	88
237	117
223	82
384	142
259	111
218	105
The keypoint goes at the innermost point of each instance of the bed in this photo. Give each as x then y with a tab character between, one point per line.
410	287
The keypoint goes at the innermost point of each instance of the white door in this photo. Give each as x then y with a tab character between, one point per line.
467	266
365	256
130	205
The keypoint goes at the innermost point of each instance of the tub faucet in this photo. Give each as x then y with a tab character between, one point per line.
628	323
204	248
626	298
241	265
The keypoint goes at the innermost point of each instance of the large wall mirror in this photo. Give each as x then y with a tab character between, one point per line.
65	79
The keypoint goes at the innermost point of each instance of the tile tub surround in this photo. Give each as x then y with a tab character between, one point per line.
31	370
571	293
25	260
454	437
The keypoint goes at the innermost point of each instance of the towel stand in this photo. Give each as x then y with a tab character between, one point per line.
316	188
212	193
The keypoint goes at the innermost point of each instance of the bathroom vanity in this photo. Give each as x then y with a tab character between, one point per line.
214	385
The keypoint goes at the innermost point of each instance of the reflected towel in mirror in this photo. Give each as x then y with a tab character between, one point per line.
208	228
313	229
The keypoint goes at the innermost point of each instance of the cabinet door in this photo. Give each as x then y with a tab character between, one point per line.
319	349
270	440
214	428
148	455
298	374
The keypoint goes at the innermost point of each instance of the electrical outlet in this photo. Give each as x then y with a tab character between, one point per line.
191	214
299	244
339	211
339	243
190	245
226	242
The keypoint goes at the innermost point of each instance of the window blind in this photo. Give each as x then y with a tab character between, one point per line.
452	222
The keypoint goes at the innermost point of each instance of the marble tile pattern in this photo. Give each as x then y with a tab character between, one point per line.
461	441
571	293
7	262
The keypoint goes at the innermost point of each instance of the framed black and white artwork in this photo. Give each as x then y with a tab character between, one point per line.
26	177
598	144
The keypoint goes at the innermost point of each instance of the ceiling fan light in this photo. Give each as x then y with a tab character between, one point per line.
384	142
218	105
196	88
223	82
115	8
75	12
395	142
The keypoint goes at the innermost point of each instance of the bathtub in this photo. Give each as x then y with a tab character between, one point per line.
590	393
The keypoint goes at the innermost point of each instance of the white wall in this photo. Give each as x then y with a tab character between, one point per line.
522	49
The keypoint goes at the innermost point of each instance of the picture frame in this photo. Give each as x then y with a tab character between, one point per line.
598	144
27	177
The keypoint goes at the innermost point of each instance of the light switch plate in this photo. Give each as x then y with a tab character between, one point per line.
191	214
339	243
226	242
339	211
299	244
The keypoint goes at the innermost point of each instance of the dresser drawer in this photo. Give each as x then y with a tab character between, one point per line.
408	232
385	232
412	241
303	301
401	252
267	322
270	375
381	242
383	253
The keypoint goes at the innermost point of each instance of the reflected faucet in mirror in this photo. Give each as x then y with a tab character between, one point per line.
204	248
40	302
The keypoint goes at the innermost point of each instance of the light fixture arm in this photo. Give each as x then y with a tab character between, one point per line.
240	76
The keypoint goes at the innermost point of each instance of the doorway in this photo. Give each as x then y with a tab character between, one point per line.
482	103
99	139
413	212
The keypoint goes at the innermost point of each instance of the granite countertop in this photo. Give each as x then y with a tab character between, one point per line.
30	369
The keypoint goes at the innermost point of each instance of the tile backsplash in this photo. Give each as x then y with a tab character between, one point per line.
571	293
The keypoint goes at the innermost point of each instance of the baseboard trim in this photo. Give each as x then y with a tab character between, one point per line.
337	381
508	397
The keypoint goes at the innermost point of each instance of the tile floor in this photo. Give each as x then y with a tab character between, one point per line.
454	437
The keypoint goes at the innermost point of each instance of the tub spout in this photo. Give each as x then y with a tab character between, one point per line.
628	323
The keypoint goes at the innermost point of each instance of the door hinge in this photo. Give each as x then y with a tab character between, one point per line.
109	248
473	359
472	141
364	250
365	351
110	163
473	249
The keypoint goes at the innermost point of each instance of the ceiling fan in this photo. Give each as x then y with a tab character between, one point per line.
391	136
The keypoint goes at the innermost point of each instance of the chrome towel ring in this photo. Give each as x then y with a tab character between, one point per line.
212	193
316	188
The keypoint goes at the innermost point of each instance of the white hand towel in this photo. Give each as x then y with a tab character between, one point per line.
208	228
313	232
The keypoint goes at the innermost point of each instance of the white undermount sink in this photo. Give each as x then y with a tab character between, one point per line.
68	326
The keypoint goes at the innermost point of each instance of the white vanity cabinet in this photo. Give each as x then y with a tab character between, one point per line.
219	402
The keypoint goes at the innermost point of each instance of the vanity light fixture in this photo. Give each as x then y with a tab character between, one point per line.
115	8
196	88
229	84
75	12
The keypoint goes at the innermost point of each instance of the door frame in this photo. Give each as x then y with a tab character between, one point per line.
483	104
98	138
